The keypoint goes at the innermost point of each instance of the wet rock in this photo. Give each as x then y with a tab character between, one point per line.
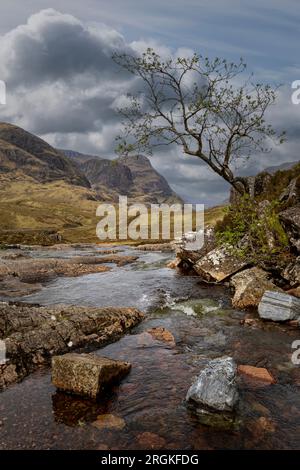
162	334
261	427
278	306
221	420
34	334
215	387
219	264
292	273
13	255
109	421
250	322
261	409
11	286
102	447
164	247
250	285
36	271
144	340
149	440
257	373
290	220
174	263
185	254
119	260
295	292
86	374
8	374
41	270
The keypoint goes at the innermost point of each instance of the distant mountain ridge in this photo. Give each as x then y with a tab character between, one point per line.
26	157
133	176
281	167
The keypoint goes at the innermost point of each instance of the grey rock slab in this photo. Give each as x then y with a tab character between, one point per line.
278	306
215	387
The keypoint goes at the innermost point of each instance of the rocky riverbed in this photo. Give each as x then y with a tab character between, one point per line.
186	325
24	270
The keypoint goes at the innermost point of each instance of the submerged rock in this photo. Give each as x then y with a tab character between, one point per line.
278	306
295	291
109	421
163	247
149	440
86	374
250	285
219	264
259	374
162	334
215	387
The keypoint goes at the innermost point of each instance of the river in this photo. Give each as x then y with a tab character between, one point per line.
150	400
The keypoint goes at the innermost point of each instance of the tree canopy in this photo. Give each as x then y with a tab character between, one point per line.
205	106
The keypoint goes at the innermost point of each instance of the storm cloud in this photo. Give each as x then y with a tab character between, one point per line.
63	85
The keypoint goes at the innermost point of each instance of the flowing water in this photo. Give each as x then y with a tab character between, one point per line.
150	400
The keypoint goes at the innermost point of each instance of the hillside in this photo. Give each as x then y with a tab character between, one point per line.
281	167
134	177
24	155
45	195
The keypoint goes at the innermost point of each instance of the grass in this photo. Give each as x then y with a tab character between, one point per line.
29	209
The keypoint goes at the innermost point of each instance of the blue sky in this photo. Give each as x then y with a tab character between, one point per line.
265	33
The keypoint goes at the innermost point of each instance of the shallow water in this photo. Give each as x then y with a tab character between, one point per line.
151	398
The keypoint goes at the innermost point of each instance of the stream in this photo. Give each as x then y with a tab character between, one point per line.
150	400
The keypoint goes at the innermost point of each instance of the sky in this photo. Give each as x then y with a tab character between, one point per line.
55	58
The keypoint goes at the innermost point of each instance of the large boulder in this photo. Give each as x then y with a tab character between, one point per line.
191	256
86	374
250	285
277	306
219	264
290	219
215	387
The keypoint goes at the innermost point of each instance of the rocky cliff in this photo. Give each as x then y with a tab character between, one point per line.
133	176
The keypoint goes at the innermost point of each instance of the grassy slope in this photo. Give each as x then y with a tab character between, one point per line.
27	207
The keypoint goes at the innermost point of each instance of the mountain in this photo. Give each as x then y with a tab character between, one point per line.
23	154
133	176
281	167
148	181
46	194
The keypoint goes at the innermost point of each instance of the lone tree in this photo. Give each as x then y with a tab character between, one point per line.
198	104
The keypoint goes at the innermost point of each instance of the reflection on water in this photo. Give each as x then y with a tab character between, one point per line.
151	398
